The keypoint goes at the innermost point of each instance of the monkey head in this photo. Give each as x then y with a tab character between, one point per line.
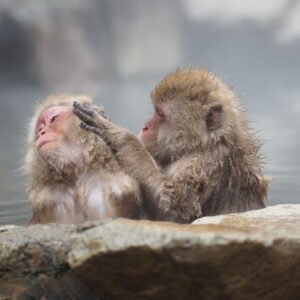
53	127
55	139
194	110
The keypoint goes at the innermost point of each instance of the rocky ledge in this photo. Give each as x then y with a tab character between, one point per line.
252	255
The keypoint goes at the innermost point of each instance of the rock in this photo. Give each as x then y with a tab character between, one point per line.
7	227
281	220
33	264
252	255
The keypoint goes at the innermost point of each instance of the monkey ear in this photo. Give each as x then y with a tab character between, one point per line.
214	117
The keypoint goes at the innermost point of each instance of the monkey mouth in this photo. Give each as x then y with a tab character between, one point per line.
40	144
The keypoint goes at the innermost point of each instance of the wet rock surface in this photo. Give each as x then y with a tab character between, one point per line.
253	255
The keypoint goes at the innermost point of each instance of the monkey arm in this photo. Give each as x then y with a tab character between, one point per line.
128	149
177	197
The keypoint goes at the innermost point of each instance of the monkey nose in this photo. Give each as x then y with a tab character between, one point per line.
145	128
40	133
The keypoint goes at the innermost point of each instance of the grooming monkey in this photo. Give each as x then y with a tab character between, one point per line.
197	156
72	174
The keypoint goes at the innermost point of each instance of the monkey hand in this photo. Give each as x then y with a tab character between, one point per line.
99	109
92	119
120	140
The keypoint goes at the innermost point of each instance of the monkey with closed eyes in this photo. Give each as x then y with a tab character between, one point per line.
196	156
72	174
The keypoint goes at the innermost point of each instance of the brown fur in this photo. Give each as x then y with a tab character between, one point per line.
60	187
208	160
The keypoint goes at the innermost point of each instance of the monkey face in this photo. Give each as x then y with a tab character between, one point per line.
51	129
148	133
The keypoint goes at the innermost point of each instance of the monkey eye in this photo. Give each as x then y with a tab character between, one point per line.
53	118
160	113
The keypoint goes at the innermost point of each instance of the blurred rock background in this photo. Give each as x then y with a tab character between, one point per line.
117	50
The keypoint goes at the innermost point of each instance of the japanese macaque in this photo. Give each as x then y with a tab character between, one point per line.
197	157
73	175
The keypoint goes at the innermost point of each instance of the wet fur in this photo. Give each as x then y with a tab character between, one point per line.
59	188
207	160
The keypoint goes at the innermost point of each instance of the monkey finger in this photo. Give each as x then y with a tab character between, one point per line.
92	111
97	131
84	108
98	109
84	117
102	113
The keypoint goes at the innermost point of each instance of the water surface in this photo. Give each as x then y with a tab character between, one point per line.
117	51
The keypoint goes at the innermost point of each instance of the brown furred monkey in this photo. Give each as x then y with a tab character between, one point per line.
207	160
72	174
